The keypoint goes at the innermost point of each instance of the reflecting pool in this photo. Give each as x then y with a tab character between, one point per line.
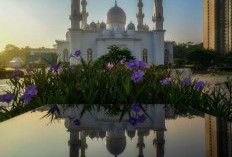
170	133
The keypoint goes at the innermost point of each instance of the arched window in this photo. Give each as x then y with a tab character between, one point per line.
145	56
65	55
166	57
89	55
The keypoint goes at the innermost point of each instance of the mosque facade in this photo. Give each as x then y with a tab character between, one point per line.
94	39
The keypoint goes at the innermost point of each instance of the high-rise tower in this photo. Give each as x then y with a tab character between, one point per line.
140	15
84	14
218	25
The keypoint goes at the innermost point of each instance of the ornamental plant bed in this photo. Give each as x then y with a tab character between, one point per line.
132	82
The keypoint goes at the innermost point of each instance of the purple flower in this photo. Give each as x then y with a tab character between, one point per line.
53	109
132	121
122	61
6	98
186	81
137	76
166	81
15	72
54	67
133	64
141	119
199	85
77	53
77	122
71	68
142	65
110	66
29	93
121	107
83	70
135	108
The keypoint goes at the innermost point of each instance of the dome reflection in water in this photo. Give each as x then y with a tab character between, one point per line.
98	126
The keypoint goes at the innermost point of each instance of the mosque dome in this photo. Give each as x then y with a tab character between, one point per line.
115	144
131	26
116	15
102	25
93	26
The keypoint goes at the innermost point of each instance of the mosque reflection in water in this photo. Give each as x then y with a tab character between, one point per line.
97	125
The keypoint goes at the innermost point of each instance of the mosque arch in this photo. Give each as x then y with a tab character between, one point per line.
145	55
89	55
65	55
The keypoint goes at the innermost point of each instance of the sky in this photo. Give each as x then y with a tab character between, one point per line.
38	23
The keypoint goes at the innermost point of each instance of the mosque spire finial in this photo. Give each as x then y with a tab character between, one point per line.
116	3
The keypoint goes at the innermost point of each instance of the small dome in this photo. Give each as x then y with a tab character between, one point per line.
92	134
85	27
146	27
102	25
102	134
131	26
93	26
68	36
116	15
131	134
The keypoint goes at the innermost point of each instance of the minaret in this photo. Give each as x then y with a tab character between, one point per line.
158	17
158	33
140	15
75	16
84	13
75	31
74	143
159	143
140	143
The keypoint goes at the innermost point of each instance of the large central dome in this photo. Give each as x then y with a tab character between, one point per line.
116	15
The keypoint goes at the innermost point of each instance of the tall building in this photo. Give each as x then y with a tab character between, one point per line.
218	137
93	39
218	25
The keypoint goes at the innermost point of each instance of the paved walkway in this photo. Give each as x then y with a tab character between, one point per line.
212	79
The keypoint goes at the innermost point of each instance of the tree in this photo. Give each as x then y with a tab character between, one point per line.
200	57
115	55
12	51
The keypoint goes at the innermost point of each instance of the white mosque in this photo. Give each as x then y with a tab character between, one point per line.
94	39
